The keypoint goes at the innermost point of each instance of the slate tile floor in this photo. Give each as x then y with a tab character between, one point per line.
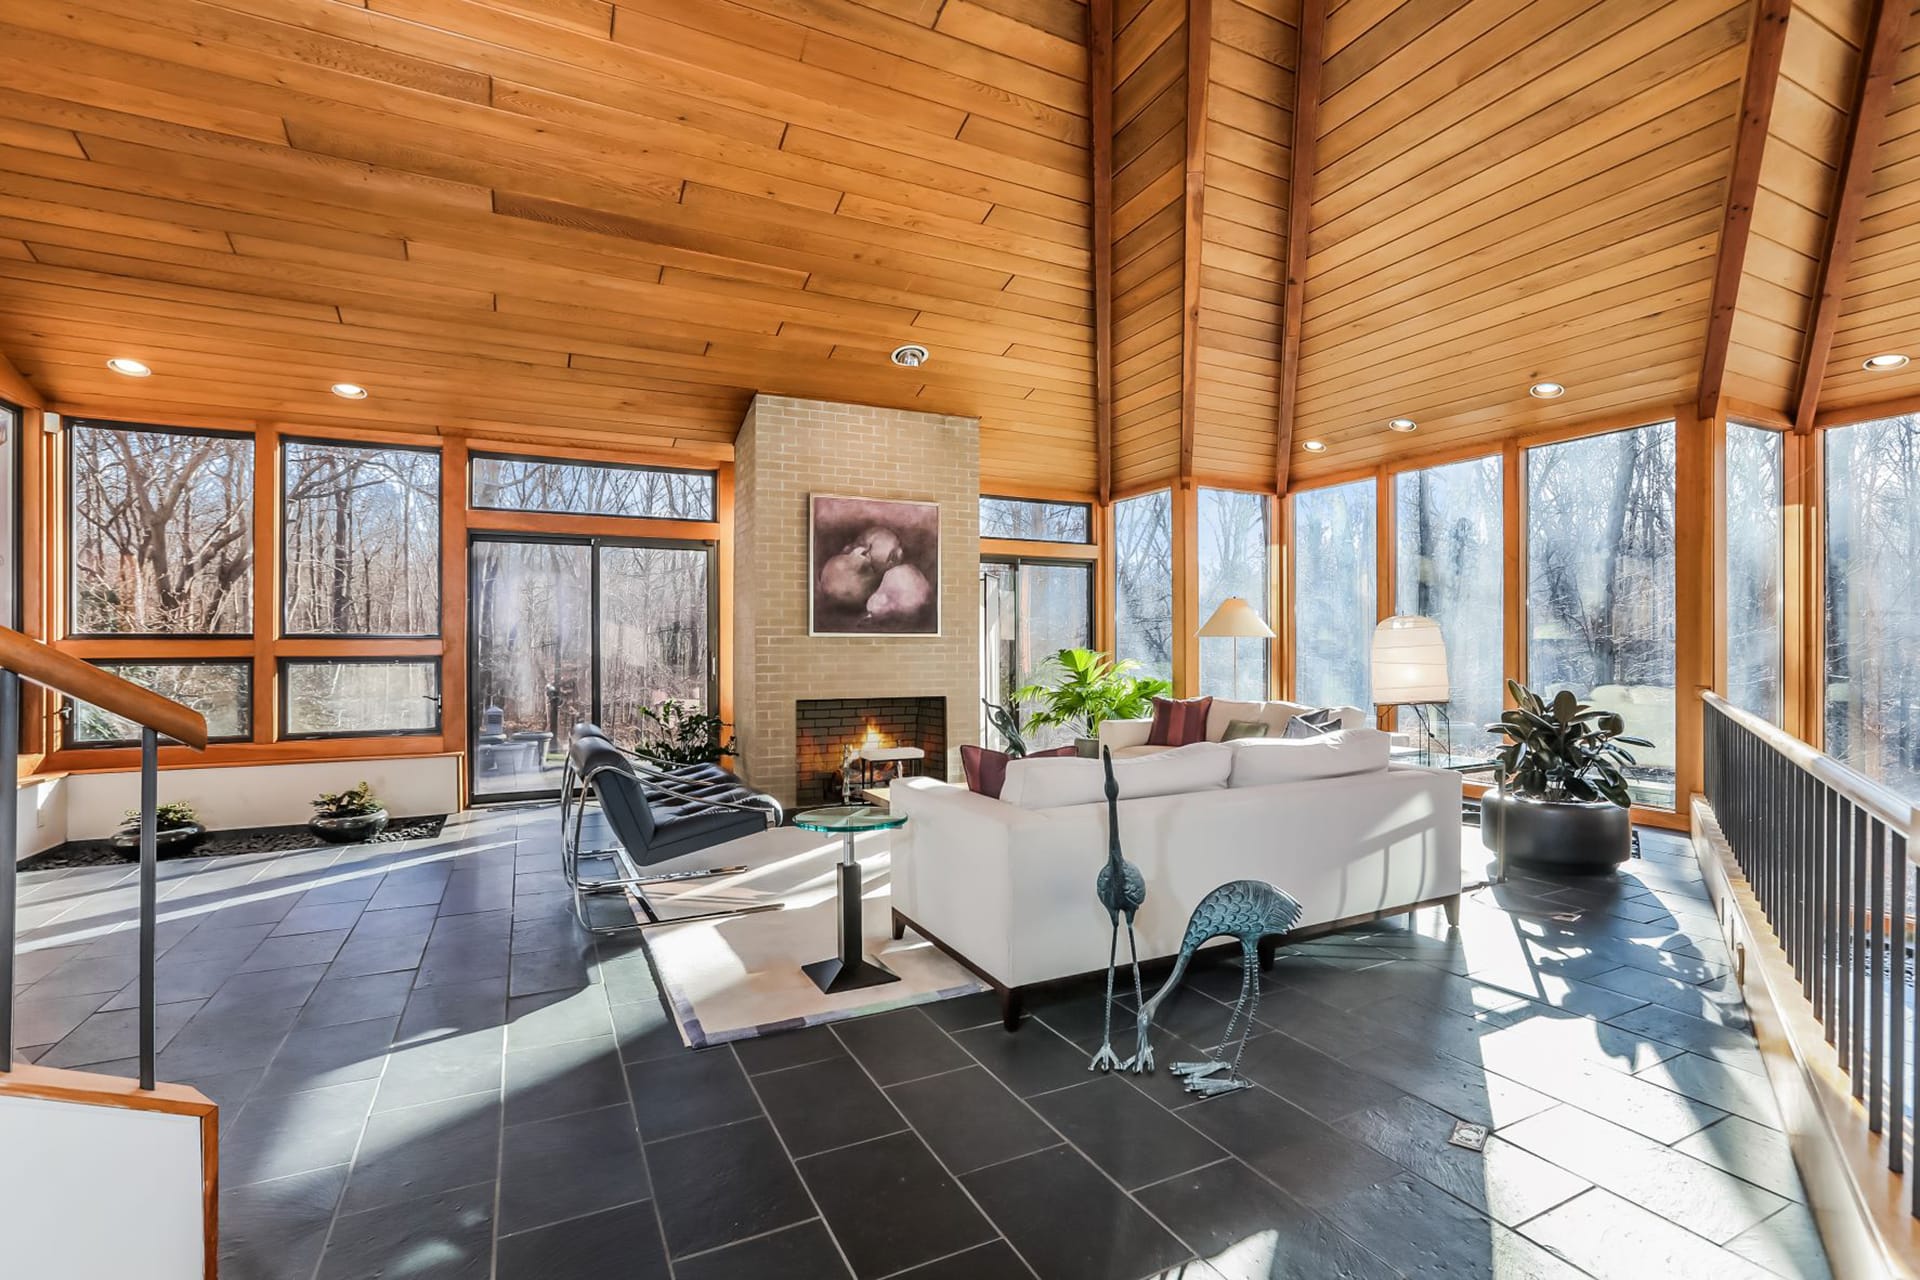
425	1069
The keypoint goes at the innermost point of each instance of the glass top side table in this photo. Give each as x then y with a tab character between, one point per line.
851	969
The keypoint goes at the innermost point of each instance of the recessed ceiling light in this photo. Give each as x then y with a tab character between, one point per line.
1314	446
127	367
1880	364
910	355
1546	391
349	391
1401	424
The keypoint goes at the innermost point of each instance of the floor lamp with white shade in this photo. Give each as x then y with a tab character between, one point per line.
1410	665
1235	620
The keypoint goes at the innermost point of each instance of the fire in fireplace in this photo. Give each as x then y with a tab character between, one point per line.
825	727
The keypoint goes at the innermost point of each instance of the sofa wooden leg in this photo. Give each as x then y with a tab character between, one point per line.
1268	946
1010	1008
1452	907
899	926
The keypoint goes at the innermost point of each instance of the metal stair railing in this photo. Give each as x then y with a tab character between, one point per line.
24	658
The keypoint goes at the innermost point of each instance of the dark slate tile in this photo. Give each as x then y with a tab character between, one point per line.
337	1001
964	1012
721	1185
84	975
246	994
270	1230
424	1150
902	1045
645	1029
45	1020
395	922
991	1261
292	952
319	918
296	1132
379	952
1613	1239
462	959
1787	1244
1304	1157
1748	1150
558	1079
412	887
1630	1101
1133	1139
558	969
1035	1198
1246	1229
182	980
788	1049
313	1057
105	1036
443	1237
435	1070
672	1096
454	1009
1715	1000
1032	1060
563	1168
805	1252
1507	1183
891	1206
1311	1080
1420	1230
231	1041
554	1017
622	1242
826	1104
1721	1087
970	1120
1732	1045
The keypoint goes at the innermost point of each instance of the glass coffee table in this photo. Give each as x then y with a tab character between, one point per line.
851	969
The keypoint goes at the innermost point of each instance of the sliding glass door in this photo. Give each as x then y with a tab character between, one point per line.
570	629
1029	611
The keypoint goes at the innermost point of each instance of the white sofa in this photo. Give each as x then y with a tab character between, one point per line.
1128	738
1007	886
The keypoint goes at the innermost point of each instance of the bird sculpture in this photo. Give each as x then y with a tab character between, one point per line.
1245	909
1121	890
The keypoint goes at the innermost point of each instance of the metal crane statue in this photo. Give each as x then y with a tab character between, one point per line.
1245	909
1121	890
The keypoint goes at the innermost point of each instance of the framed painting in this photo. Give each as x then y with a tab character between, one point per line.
876	567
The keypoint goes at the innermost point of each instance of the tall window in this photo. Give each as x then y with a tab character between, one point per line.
1449	566
1600	585
506	482
362	540
1143	581
1756	568
1032	521
1334	585
162	531
1873	599
1029	611
1233	561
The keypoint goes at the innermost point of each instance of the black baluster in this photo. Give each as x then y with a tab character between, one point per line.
1877	1035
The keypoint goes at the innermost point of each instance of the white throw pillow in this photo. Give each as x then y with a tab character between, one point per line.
1054	782
1225	711
1260	762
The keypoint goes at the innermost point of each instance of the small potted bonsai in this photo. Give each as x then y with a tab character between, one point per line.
177	831
1566	803
348	817
1081	687
680	733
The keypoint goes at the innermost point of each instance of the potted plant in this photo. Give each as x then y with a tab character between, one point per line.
1566	802
348	817
677	733
177	830
1081	687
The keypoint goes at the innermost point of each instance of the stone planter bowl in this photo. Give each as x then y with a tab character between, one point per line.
349	828
168	842
1560	837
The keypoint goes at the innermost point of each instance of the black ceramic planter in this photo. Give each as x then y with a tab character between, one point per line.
350	828
1560	837
168	842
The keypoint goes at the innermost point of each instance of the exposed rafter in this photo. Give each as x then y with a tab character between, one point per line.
1765	45
1199	79
1100	118
1872	91
1306	121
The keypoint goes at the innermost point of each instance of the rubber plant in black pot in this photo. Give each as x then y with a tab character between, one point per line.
177	831
680	733
1566	803
348	817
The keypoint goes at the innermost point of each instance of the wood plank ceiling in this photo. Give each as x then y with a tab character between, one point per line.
614	221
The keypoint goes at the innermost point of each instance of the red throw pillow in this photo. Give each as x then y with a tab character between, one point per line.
987	770
1176	723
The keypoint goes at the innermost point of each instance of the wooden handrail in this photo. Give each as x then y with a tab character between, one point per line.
1896	811
32	660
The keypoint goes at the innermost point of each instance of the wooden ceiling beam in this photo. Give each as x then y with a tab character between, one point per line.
1100	117
1199	79
1300	160
1873	88
1766	43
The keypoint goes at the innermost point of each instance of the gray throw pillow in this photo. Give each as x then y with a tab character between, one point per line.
1237	729
1312	724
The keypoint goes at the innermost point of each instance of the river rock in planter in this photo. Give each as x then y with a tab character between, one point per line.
349	828
168	842
1565	837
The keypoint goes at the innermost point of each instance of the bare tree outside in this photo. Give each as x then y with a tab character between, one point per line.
1036	521
1335	603
1143	581
654	633
1233	561
585	488
326	697
1873	599
361	540
222	691
1600	585
1450	566
162	532
1030	610
1756	569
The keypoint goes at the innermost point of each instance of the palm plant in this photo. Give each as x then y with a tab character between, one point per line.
1078	688
677	733
1564	749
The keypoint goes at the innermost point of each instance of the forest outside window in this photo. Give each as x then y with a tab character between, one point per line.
361	540
220	690
1450	566
1027	520
1600	586
1233	561
1335	605
1756	569
162	531
359	697
1143	581
506	482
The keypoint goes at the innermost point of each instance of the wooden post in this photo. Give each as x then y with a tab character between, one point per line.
1186	591
269	552
453	604
1699	448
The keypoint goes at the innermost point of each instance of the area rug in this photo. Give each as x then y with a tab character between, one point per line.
738	977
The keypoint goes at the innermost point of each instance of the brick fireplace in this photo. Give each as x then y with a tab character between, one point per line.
823	727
